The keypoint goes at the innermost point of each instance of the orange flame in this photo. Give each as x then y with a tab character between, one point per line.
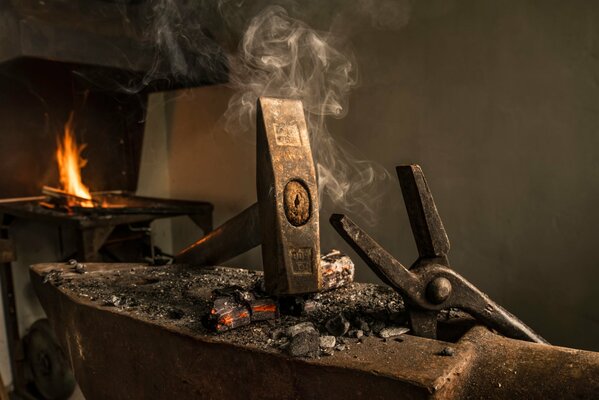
70	162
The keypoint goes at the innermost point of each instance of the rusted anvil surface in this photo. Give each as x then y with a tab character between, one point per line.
118	353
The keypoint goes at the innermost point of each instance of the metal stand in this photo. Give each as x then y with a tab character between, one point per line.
7	256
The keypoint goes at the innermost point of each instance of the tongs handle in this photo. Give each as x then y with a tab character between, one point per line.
427	227
383	264
414	285
467	297
496	317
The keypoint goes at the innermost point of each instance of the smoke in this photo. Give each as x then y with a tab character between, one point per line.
386	14
181	50
277	54
281	56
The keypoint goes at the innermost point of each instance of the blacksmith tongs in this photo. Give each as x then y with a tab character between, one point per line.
430	285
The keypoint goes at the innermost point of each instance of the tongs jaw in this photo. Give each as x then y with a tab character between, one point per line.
430	285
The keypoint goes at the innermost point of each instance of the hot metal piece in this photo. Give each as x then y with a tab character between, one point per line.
430	285
285	219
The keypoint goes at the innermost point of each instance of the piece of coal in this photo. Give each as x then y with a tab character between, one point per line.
263	309
357	333
299	328
327	342
80	268
447	352
227	313
393	331
309	306
233	307
338	325
304	344
337	270
54	276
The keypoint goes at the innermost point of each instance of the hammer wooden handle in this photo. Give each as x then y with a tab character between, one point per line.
236	236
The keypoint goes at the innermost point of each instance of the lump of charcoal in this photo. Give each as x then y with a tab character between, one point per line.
236	317
80	268
121	301
337	270
309	307
227	314
263	309
358	333
54	277
304	344
447	352
327	342
338	325
299	328
393	331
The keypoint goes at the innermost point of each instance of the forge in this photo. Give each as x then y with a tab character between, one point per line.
75	84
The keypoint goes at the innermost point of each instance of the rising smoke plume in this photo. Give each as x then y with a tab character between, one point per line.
282	56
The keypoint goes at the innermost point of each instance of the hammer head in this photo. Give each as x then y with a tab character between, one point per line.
287	198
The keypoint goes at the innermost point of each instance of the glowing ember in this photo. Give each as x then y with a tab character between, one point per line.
68	155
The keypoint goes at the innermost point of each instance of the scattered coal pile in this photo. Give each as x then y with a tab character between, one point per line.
316	325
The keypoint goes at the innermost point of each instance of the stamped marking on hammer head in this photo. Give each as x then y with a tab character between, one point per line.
287	134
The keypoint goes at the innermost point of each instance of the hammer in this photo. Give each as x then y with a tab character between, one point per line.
285	218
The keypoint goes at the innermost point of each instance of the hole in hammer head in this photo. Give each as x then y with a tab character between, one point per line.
297	203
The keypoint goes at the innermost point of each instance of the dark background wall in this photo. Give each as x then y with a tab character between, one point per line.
499	103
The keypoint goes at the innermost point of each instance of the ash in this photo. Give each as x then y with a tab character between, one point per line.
182	296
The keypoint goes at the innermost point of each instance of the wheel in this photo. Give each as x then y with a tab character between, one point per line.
50	372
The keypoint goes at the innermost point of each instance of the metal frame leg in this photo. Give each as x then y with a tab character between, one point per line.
7	256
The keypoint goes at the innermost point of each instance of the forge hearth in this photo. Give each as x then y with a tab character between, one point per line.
99	233
123	323
94	226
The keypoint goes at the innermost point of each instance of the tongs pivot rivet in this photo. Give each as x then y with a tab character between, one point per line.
438	290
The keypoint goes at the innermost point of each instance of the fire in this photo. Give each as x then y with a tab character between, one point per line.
70	162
